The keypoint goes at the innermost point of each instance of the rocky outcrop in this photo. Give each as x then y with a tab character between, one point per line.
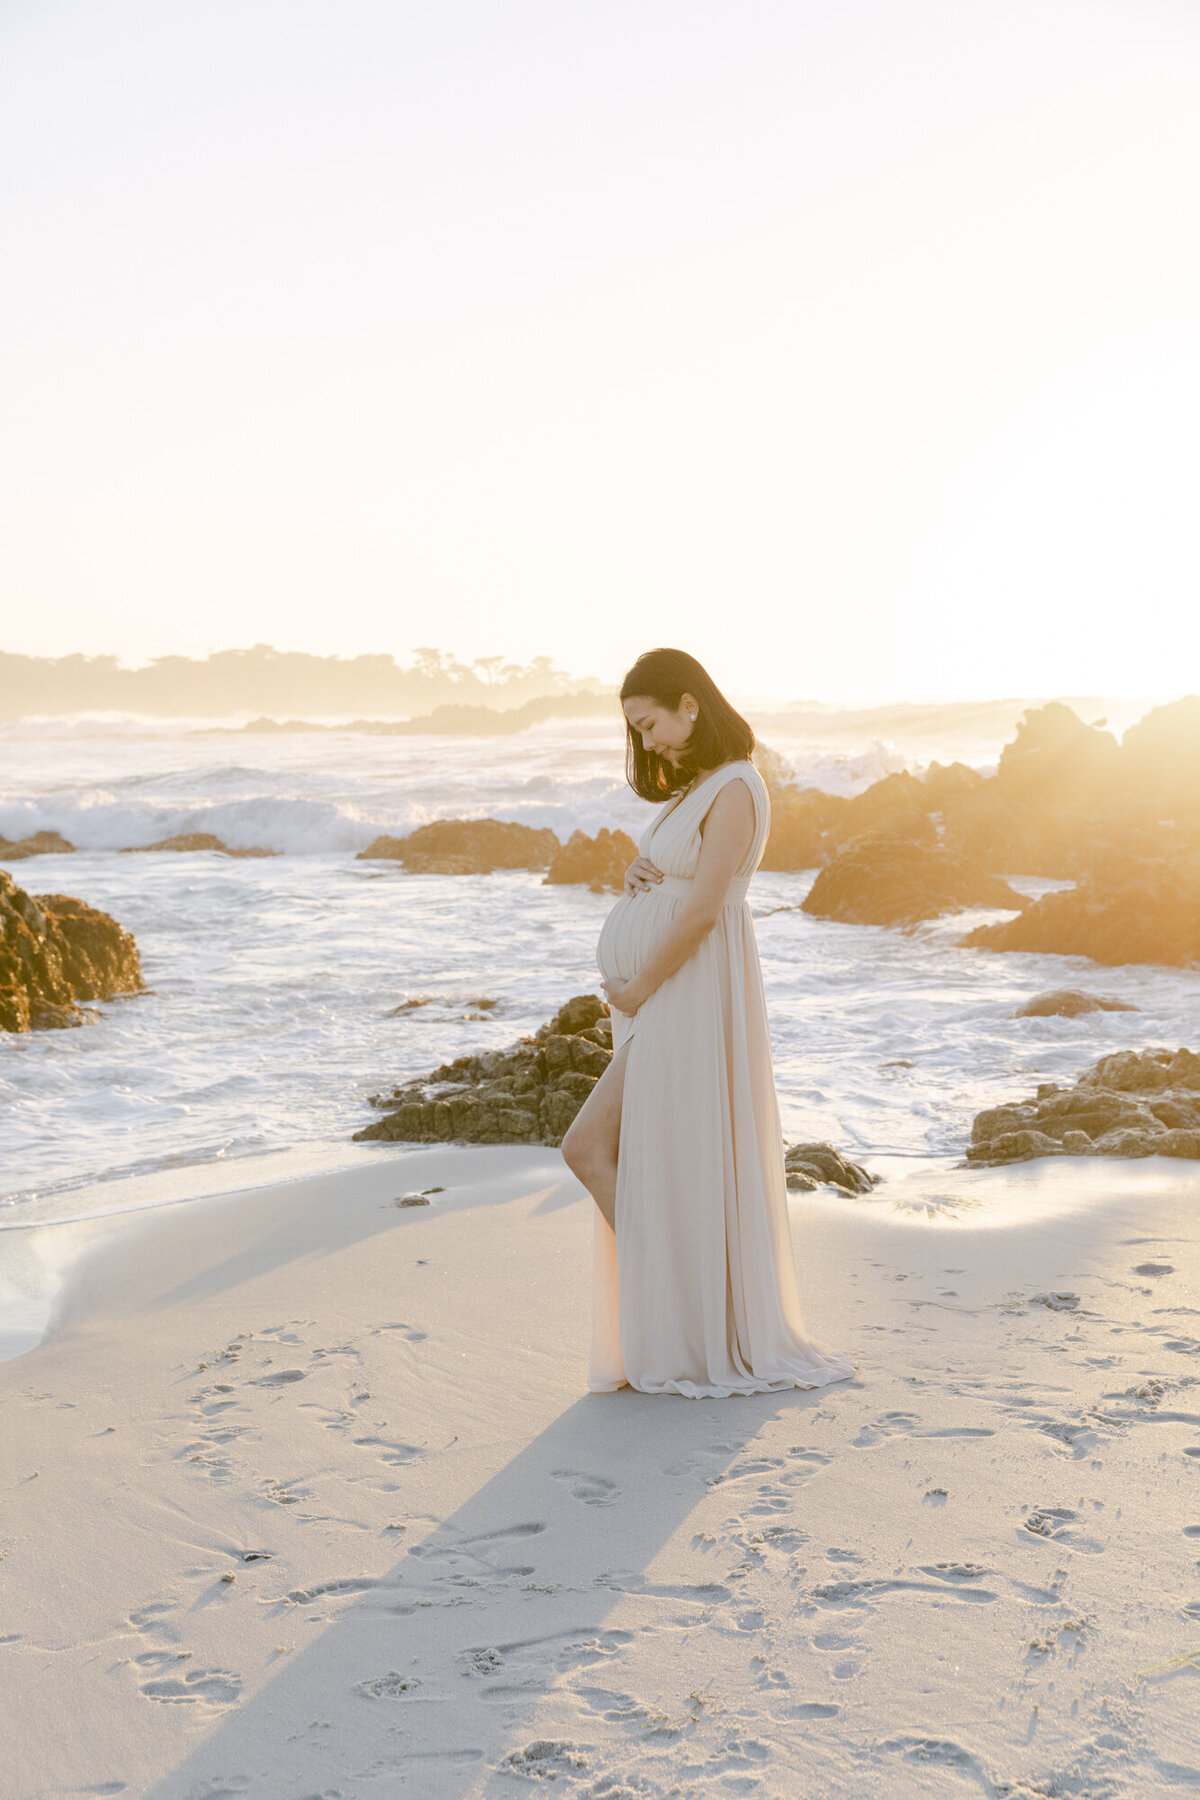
1132	1103
42	843
896	807
527	1094
1121	912
810	1166
809	828
1160	761
601	861
530	1093
194	840
1057	760
55	951
1068	1003
1064	794
467	847
801	820
883	880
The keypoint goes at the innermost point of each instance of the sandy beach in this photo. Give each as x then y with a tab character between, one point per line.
304	1495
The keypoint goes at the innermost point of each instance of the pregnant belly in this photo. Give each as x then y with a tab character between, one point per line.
634	929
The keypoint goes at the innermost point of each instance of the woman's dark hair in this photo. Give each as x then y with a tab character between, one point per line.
720	734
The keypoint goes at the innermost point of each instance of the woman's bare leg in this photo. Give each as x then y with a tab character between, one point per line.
590	1146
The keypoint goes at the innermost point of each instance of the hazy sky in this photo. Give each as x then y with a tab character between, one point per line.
851	344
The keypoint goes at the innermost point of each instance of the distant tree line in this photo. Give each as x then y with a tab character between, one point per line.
265	680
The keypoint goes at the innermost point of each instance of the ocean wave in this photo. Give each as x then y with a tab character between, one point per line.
100	822
104	822
325	807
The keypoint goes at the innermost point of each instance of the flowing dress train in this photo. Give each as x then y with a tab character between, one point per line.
695	1293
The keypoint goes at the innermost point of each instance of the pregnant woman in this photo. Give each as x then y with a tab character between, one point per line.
679	1141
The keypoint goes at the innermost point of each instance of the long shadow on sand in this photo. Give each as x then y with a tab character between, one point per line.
425	1680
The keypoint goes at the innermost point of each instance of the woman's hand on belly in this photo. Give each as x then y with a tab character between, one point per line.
624	995
641	874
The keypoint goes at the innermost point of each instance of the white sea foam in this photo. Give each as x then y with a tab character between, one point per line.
318	794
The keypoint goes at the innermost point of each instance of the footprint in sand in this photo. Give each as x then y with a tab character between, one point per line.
1050	1521
861	1593
531	1662
334	1590
738	1753
472	1560
389	1452
151	1621
849	1653
199	1687
783	1473
289	1333
281	1378
212	1688
1055	1302
940	1752
593	1490
901	1424
771	1537
392	1686
546	1759
283	1493
1070	1635
1078	1439
1057	1523
614	1708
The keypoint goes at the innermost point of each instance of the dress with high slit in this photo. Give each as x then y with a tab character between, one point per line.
695	1292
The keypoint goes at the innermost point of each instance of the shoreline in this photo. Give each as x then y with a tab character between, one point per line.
913	1185
453	1570
30	1282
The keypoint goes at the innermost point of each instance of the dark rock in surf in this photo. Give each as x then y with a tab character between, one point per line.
601	861
527	1094
810	1166
895	807
192	841
55	951
467	847
42	843
1132	1103
801	821
1068	1003
898	881
1122	911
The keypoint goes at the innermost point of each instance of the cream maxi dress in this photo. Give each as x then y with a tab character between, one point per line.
695	1293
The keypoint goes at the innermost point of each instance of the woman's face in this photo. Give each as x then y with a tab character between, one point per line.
663	730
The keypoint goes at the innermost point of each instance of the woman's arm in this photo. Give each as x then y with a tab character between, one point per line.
726	833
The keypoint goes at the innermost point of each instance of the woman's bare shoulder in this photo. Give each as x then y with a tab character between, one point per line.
733	802
740	776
